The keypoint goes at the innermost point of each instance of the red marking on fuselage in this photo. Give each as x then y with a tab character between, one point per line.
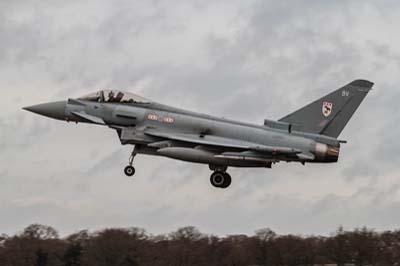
152	117
168	120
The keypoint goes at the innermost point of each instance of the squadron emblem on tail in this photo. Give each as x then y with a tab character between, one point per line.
327	108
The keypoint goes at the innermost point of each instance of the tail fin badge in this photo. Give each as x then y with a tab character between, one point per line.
327	108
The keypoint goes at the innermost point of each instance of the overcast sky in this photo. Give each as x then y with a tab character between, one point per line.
246	60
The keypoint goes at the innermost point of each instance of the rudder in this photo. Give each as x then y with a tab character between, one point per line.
330	114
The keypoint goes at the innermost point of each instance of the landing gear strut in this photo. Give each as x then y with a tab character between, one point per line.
220	179
130	170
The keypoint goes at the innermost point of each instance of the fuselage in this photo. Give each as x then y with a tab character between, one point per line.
133	119
307	135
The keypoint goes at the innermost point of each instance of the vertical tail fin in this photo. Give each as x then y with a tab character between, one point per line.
330	114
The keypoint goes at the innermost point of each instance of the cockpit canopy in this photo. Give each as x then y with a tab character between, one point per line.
113	96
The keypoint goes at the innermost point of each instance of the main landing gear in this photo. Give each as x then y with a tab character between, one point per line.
130	170
220	178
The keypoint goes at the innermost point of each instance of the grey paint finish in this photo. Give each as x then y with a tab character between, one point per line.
307	135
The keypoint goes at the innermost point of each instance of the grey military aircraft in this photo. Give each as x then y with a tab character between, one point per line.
308	135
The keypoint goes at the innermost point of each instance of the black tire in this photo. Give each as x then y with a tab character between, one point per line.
129	170
227	181
217	179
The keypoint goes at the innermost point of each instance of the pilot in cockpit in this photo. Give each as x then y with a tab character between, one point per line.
115	99
111	98
119	97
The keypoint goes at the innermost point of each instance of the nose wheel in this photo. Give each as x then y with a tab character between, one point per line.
130	170
220	179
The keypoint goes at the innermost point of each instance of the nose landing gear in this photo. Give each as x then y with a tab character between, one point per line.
130	170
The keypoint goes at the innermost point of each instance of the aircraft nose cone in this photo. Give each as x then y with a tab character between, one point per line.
54	110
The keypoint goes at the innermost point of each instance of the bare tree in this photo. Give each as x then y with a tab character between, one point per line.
263	246
39	245
39	231
336	248
112	246
365	247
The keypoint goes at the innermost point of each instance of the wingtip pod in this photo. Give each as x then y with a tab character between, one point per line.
362	83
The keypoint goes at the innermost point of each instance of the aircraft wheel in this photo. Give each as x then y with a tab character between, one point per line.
227	181
129	170
217	179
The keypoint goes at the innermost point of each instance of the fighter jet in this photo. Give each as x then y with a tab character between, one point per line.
308	135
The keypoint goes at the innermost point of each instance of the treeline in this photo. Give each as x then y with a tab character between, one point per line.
40	245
